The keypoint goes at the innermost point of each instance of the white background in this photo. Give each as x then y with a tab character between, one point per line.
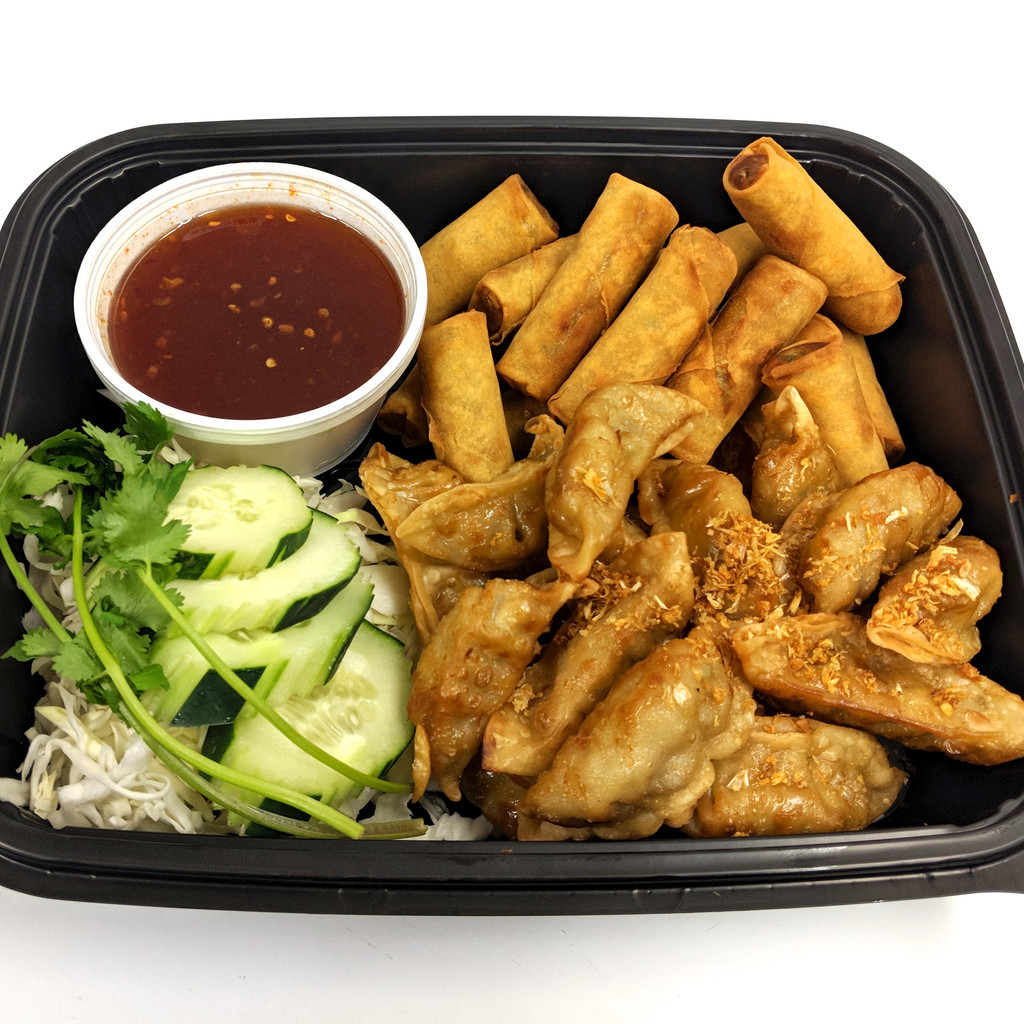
944	92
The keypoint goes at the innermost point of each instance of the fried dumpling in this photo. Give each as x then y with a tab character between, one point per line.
825	665
646	753
928	611
611	439
468	669
872	528
797	776
639	600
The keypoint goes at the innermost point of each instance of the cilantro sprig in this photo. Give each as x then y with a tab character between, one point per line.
121	492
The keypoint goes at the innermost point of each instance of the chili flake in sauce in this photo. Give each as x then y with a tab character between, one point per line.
257	311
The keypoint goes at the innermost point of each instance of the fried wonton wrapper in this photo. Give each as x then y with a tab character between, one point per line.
871	529
792	462
797	776
797	221
824	665
614	435
462	398
643	597
820	365
507	294
505	224
396	488
646	753
469	667
616	245
657	327
723	370
878	404
489	527
928	611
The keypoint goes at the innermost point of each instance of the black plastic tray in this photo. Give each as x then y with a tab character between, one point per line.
953	376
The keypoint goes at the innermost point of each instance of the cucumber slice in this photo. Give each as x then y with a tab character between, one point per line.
283	594
241	519
276	665
359	716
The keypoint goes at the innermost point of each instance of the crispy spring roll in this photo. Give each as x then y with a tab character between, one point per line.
824	665
642	598
792	461
769	307
929	610
614	435
469	667
660	323
745	245
646	753
798	221
871	529
505	224
462	398
507	294
616	245
820	366
878	405
402	412
796	776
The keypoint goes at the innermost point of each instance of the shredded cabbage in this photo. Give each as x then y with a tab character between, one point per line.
85	767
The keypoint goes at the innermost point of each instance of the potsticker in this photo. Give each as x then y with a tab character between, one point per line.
660	323
615	433
616	245
824	665
871	529
638	601
469	667
928	611
798	221
796	776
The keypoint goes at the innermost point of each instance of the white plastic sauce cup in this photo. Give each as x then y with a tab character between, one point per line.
305	443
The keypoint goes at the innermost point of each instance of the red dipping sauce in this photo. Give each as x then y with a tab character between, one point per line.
256	312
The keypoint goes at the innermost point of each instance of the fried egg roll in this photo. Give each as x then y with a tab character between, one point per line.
824	665
745	245
769	307
505	224
616	246
462	398
878	405
507	294
820	366
660	323
797	221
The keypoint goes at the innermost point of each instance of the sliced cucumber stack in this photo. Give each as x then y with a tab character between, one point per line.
282	595
277	665
359	716
241	519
